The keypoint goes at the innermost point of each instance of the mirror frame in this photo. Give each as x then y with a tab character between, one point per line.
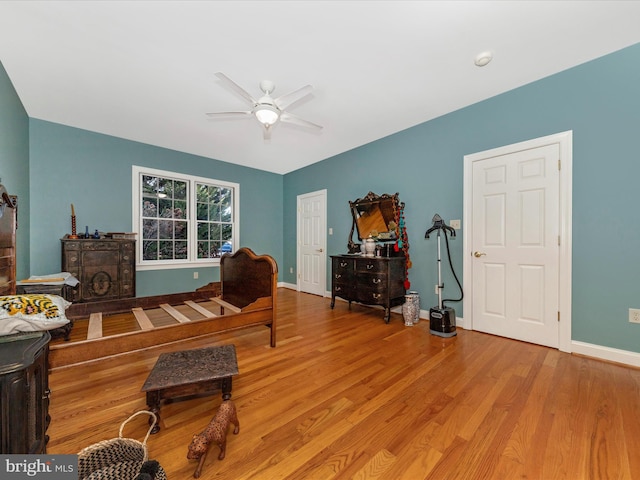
370	199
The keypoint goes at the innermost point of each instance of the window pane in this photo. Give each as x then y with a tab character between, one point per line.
165	229
166	250
165	208
180	209
149	185
181	230
203	249
214	210
203	211
181	250
216	231
149	207
202	193
225	206
149	229
149	250
203	231
227	232
180	190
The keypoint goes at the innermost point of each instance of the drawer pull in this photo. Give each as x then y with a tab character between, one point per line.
377	296
376	281
337	275
338	289
370	266
343	264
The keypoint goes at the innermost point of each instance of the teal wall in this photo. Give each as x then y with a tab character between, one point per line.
14	164
599	101
51	166
93	171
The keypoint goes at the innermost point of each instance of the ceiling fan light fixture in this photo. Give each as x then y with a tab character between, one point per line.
266	114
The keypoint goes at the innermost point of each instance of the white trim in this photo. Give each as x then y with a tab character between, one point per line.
192	261
565	142
606	353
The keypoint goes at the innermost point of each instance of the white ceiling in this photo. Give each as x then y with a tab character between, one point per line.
145	70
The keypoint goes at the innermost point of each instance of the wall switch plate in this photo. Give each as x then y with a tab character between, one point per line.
455	224
634	315
291	270
195	275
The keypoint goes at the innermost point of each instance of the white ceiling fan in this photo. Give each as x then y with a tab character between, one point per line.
267	110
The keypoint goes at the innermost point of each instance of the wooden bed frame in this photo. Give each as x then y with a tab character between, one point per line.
245	297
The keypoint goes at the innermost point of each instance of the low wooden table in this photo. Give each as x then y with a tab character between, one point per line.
190	372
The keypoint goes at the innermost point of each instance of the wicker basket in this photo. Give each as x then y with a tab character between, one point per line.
116	459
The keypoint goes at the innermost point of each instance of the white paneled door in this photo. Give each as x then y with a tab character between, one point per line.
312	257
515	245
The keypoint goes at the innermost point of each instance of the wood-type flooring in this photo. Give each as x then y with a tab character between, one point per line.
346	396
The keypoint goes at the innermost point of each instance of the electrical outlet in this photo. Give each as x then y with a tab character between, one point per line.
436	289
195	275
634	315
455	224
291	270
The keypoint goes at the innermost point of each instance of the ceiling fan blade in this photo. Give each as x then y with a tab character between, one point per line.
287	117
287	99
237	88
228	114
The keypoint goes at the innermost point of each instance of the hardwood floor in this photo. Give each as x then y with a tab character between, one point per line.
346	396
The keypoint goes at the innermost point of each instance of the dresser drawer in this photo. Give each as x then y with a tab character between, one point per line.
98	245
371	296
102	257
342	265
343	290
370	265
372	280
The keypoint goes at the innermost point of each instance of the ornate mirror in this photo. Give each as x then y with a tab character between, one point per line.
375	216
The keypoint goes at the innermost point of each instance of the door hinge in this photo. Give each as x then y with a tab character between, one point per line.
558	240
558	316
559	164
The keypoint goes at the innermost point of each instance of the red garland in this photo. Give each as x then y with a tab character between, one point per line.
404	241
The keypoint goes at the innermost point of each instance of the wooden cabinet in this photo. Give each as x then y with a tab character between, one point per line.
106	268
24	393
368	280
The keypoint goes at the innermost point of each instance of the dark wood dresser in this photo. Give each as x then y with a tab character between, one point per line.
368	280
106	268
24	393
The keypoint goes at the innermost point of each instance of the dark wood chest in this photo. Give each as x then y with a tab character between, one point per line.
368	280
106	268
24	393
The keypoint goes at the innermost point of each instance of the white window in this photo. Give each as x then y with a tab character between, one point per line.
182	220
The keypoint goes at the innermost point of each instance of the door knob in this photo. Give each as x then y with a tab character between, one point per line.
478	254
319	250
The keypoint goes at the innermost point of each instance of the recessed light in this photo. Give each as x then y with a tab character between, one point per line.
483	59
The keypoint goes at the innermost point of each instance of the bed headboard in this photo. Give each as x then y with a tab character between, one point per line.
8	225
245	277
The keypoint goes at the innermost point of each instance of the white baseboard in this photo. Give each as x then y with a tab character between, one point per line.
606	353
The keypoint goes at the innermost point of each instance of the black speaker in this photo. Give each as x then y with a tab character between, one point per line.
442	321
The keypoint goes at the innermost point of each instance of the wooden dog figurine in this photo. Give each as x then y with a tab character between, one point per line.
215	432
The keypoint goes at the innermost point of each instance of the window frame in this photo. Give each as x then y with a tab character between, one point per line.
192	260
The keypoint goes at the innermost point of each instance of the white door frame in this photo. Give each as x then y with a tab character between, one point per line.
300	197
565	142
